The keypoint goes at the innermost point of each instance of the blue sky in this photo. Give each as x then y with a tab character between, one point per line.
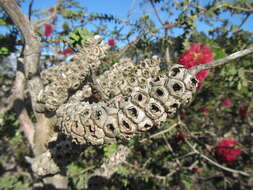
121	8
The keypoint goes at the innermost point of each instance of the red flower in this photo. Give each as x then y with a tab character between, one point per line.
202	75
48	29
111	42
195	170
52	9
67	51
227	102
204	111
243	111
181	137
196	55
225	151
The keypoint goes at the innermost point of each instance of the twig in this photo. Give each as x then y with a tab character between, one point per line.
194	70
95	85
52	16
244	20
238	8
223	167
30	9
159	133
127	47
215	163
156	12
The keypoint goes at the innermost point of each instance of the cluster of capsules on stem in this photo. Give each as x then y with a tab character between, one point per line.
127	115
138	98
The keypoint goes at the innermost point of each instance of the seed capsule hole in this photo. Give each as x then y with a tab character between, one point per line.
159	92
111	127
126	124
175	71
157	79
176	87
154	108
194	81
174	105
147	126
86	112
98	114
139	97
133	112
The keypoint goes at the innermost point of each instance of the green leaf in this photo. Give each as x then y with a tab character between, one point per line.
2	22
4	51
110	149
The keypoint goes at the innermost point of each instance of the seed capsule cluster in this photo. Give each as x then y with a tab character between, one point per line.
125	75
124	116
62	80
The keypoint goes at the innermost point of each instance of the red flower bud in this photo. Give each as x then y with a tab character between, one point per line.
181	137
111	42
225	151
204	111
48	29
227	102
243	111
195	170
67	51
52	9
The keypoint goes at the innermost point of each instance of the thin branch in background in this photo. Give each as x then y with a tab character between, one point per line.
166	27
127	47
159	133
30	9
53	13
215	163
238	8
194	70
244	20
108	168
156	13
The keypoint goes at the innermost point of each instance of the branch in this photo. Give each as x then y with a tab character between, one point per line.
32	46
215	163
52	16
19	107
30	9
31	68
109	167
165	25
194	70
159	133
238	8
156	12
